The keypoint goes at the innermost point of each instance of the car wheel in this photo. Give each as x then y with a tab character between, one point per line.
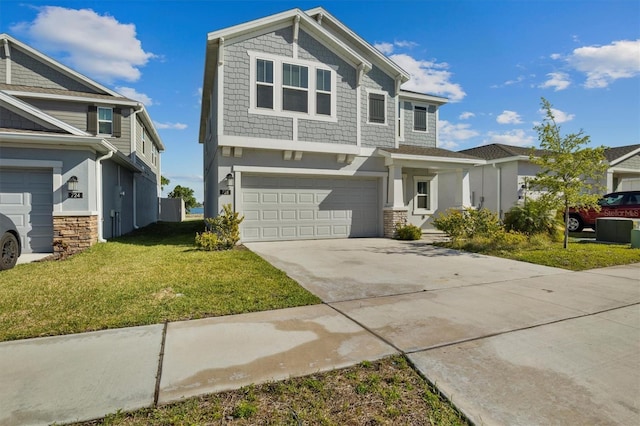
575	224
8	251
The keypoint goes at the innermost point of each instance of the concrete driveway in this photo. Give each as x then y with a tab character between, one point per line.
508	342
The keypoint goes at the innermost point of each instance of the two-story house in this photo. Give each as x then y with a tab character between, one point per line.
307	133
79	163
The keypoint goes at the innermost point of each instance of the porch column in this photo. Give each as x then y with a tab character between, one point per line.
463	189
396	195
610	187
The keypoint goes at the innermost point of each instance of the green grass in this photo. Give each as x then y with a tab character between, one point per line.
386	392
148	277
579	256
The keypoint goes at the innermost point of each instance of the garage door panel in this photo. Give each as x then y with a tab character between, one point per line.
309	207
26	197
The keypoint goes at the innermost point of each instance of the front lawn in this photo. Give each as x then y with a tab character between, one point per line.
148	277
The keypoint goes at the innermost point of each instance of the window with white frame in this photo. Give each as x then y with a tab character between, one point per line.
144	140
295	88
323	92
377	108
284	86
424	198
105	121
419	118
264	84
154	155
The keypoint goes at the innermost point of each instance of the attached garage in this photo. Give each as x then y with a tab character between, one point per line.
26	197
286	207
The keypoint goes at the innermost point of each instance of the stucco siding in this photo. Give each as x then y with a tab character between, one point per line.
237	120
27	71
411	137
344	130
378	135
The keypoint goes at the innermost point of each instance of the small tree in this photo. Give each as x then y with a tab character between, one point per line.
186	194
569	172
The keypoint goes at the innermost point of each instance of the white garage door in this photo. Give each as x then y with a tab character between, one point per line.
308	207
26	196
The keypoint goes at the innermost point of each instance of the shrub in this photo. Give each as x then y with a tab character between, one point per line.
407	231
223	231
534	217
468	223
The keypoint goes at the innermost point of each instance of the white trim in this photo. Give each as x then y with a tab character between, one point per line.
432	195
377	92
7	56
285	144
399	121
278	86
624	170
425	158
76	213
55	64
420	97
119	101
301	171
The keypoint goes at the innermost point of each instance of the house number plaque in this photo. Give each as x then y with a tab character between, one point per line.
75	194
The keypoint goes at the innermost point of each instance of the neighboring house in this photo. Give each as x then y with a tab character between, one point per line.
78	162
498	183
306	132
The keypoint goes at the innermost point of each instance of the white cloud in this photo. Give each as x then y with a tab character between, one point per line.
517	137
557	80
558	116
131	93
386	48
509	117
97	45
450	134
405	44
605	64
555	56
429	77
466	115
170	126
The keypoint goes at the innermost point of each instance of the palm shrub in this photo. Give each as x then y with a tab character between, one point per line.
222	232
532	218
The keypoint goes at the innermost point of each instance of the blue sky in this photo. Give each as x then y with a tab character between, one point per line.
492	59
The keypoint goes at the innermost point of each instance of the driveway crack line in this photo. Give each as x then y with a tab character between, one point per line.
156	392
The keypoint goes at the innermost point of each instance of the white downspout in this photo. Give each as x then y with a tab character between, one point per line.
134	195
100	195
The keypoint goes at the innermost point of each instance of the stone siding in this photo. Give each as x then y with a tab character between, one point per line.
390	219
73	234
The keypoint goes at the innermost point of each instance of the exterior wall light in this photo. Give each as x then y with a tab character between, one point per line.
230	180
72	184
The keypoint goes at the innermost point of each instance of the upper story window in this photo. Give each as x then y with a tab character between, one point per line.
105	121
144	140
323	92
264	84
283	86
377	108
295	88
419	118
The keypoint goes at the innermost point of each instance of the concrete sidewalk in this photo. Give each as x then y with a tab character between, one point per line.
545	346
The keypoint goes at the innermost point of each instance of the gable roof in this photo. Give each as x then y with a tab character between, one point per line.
6	39
306	21
409	152
618	154
498	151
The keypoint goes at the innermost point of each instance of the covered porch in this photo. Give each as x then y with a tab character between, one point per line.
423	182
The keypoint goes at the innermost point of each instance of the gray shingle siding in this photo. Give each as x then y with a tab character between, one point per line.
237	120
11	120
419	138
378	135
630	163
344	130
27	71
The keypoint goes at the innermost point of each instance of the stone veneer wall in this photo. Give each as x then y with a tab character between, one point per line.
390	218
73	234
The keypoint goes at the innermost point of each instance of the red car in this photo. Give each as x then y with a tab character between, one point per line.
616	204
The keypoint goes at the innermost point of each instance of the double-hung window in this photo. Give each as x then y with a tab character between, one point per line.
377	108
264	84
419	118
105	121
323	92
424	200
295	88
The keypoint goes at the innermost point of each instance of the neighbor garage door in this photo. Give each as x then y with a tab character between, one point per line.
26	196
308	207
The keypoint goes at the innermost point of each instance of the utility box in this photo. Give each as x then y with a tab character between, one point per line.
615	229
635	238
